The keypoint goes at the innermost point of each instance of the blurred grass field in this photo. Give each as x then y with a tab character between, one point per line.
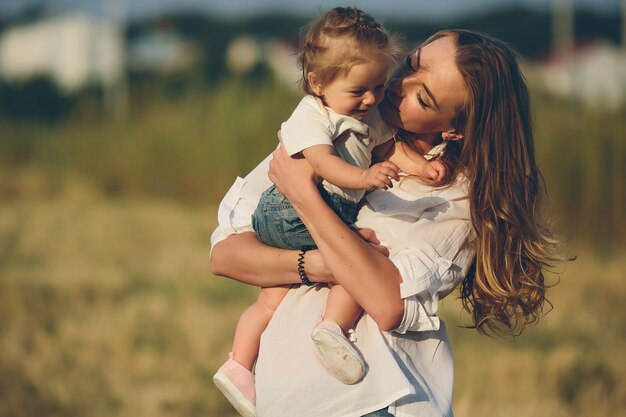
108	308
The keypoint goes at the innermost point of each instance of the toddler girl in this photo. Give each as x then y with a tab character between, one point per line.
345	57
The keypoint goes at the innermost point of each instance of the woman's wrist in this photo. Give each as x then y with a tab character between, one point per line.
304	195
301	272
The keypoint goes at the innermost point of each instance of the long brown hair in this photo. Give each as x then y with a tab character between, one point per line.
505	288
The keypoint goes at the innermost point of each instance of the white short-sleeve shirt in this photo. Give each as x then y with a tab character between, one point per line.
409	370
312	123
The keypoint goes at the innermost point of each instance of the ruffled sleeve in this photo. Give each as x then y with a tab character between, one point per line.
425	279
433	257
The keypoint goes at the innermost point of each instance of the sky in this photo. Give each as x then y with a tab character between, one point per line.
409	9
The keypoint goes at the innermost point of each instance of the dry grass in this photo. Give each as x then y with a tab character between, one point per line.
107	308
571	364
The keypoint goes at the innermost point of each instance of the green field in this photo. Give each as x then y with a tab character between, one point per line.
108	308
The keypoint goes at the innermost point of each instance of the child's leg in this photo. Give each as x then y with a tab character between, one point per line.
253	322
341	308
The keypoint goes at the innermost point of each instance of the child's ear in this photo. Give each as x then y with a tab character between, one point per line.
314	84
451	135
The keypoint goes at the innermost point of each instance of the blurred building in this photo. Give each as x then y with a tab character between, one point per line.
74	50
592	73
245	52
162	51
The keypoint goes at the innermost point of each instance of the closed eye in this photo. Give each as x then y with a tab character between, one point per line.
422	102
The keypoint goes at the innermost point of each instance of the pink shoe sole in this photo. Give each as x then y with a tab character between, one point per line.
234	396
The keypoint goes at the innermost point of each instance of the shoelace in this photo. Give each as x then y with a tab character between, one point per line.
352	335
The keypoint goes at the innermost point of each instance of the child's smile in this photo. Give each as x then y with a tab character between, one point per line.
357	92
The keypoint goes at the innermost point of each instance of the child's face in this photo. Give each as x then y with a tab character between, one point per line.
358	92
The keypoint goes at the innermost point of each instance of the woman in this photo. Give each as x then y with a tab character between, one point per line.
461	91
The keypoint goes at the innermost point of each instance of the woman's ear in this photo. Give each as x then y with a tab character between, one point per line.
311	77
451	135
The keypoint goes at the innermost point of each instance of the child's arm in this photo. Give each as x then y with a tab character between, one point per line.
335	170
410	161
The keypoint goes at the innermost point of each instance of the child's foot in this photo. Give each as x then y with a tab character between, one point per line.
337	353
236	382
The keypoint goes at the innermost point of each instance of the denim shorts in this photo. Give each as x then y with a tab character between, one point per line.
277	224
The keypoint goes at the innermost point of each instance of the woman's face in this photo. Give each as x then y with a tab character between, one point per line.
426	90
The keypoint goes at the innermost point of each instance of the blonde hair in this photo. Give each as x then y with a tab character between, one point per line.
339	39
505	288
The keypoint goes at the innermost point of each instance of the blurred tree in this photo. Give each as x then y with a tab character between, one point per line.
34	99
212	35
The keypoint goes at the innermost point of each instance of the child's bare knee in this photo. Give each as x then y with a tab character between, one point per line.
270	300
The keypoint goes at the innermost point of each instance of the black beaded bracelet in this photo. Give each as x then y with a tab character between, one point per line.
303	276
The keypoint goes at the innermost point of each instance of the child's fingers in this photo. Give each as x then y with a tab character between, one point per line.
382	181
430	172
389	169
389	173
436	170
433	173
390	165
441	170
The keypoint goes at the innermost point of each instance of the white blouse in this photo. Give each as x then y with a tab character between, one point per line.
409	370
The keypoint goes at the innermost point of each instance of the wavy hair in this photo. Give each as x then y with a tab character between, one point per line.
339	39
505	287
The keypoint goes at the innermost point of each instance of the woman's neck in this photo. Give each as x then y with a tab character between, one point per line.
424	143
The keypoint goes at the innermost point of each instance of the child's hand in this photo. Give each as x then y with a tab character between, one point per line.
380	175
433	170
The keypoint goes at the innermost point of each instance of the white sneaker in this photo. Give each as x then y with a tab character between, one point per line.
337	354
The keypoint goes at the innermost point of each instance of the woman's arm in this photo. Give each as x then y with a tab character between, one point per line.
368	276
244	258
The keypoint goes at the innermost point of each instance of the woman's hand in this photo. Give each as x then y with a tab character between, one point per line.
316	268
369	236
294	177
